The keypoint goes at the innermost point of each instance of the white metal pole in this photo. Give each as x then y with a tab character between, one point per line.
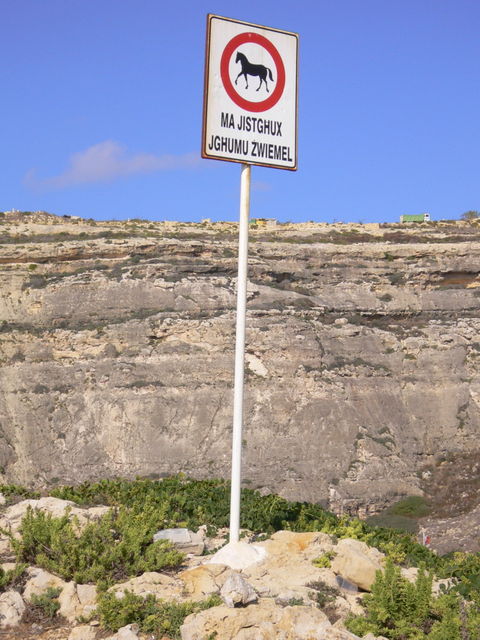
239	353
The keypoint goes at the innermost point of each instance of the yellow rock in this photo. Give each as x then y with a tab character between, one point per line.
204	580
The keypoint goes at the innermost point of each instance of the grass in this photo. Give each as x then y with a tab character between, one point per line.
402	515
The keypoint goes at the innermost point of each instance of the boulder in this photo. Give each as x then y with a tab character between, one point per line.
39	581
237	592
297	541
204	580
129	632
306	623
75	600
12	518
357	562
12	608
87	596
288	567
67	601
184	540
262	621
83	632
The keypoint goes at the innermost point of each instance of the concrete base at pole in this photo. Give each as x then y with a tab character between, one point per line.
238	555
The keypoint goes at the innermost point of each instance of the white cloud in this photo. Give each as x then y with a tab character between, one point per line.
108	161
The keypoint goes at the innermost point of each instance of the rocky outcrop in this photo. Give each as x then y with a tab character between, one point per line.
116	345
263	621
11	518
285	594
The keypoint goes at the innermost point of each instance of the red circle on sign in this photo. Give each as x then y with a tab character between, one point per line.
272	100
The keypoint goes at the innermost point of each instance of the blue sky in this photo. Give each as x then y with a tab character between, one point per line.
102	109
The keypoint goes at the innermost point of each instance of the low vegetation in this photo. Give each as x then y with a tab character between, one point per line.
120	545
47	602
400	610
187	503
11	578
151	614
403	515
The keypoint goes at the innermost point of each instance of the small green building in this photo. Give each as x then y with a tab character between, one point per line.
416	217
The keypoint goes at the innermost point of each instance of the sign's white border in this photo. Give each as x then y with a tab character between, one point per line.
207	98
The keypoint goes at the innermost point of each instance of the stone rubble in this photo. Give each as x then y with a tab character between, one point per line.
271	599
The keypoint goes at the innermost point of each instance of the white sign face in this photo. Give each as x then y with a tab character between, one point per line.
250	100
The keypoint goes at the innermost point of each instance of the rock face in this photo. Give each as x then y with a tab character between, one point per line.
116	351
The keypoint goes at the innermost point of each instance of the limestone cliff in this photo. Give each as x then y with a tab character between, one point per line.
116	351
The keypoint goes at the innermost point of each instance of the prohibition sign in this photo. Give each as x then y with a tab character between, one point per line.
249	105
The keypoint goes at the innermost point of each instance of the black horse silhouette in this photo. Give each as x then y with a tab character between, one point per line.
249	69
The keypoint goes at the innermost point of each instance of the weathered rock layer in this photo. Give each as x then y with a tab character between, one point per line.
116	346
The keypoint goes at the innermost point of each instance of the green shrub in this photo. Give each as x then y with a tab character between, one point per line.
117	546
295	602
13	493
400	610
120	544
152	615
395	608
193	503
465	569
12	577
47	602
402	515
325	560
190	503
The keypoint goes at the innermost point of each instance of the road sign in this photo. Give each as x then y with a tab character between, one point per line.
250	98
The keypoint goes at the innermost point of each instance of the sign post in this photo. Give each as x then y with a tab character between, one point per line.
250	117
239	354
